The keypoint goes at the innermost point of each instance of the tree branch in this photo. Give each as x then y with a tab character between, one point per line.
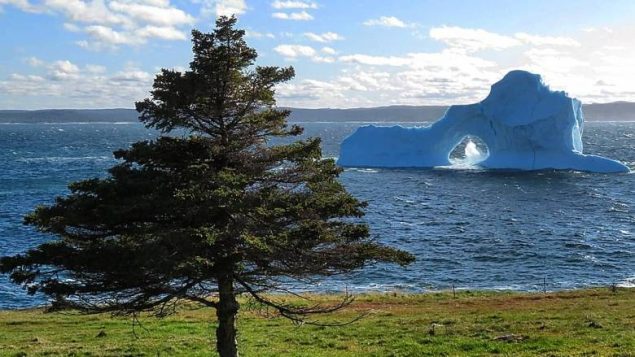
201	300
297	315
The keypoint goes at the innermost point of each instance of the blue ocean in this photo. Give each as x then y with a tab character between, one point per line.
468	228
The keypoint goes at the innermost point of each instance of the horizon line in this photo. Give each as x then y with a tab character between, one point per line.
304	108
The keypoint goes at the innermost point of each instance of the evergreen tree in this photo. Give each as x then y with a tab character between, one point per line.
204	216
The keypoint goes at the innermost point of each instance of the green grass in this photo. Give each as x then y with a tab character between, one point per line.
596	322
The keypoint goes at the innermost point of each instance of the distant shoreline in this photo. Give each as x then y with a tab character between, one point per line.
608	112
292	121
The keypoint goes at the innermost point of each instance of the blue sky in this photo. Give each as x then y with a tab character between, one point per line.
105	53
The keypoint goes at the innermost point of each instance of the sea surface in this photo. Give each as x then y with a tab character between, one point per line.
468	228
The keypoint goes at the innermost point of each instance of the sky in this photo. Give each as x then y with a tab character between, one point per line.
346	53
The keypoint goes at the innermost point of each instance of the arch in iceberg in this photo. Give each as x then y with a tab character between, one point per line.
525	125
470	151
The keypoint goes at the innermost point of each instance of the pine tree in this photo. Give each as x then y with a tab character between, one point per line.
208	210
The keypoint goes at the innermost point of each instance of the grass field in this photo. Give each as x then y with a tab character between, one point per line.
599	322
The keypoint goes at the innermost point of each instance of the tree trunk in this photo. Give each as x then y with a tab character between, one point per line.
226	314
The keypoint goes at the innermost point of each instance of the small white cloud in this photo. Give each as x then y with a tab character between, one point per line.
162	32
256	34
34	62
132	75
325	37
297	16
158	3
109	36
66	67
554	60
328	50
95	69
71	27
376	60
322	59
386	21
95	12
293	51
215	8
85	45
471	40
23	5
546	40
63	70
158	15
230	7
22	77
293	5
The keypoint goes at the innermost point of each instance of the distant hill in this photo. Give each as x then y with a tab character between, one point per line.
68	115
397	113
617	111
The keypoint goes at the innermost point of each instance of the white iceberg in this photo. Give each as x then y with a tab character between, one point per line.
525	125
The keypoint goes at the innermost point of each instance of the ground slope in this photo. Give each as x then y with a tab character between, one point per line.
597	322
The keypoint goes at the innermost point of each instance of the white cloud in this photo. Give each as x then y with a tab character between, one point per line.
64	84
308	91
445	77
472	40
546	40
160	3
555	60
230	7
594	66
293	5
21	77
23	5
293	51
386	21
256	34
153	14
34	62
95	69
323	59
95	12
71	27
106	35
221	7
162	32
132	75
329	50
324	37
63	70
417	78
376	60
598	70
298	16
112	23
370	86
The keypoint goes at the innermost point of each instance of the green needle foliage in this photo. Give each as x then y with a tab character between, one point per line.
206	216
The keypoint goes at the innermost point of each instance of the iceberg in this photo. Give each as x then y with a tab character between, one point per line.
524	124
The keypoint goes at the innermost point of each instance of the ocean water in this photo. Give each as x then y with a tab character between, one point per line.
468	228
